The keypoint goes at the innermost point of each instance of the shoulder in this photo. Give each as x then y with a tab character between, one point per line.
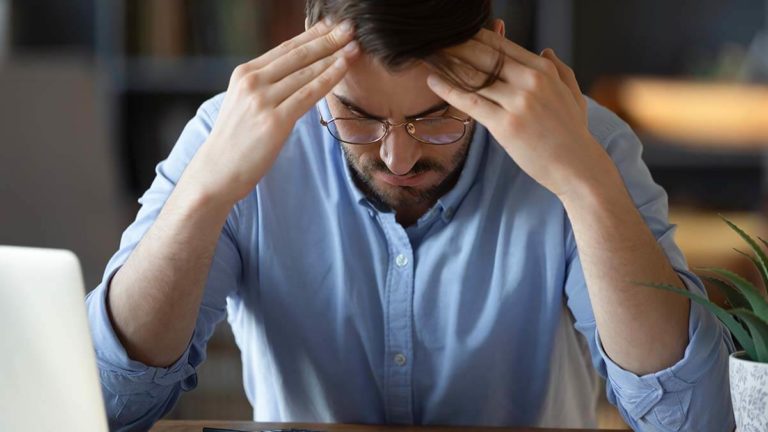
604	123
209	110
613	133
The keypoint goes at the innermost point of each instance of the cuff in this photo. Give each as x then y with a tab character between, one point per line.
668	392
121	374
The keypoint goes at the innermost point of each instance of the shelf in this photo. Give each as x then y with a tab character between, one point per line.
182	75
704	115
666	153
703	234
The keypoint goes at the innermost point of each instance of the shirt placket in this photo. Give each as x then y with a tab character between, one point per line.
398	319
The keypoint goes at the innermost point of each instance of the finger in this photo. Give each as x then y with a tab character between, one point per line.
476	106
481	56
567	76
457	71
515	51
307	96
485	58
318	30
308	53
284	88
505	96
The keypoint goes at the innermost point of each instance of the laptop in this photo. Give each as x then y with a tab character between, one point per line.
48	375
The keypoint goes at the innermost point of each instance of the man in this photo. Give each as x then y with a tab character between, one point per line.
405	217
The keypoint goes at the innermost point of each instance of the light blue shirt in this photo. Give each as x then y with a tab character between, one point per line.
477	315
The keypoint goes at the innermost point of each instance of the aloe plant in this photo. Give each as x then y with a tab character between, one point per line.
747	317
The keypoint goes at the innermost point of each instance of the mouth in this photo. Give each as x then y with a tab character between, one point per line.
402	181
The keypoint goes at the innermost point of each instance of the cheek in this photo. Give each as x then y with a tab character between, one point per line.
446	157
362	156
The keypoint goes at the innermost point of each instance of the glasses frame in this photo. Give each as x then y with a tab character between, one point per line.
388	126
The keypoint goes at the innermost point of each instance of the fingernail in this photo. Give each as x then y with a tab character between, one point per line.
351	47
346	26
435	82
328	21
339	63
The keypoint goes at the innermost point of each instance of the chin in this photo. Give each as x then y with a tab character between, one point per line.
400	196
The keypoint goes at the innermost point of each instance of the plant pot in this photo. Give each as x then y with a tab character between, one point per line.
749	393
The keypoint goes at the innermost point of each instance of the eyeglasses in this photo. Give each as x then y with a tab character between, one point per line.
429	130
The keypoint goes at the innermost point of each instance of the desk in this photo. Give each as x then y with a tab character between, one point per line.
197	426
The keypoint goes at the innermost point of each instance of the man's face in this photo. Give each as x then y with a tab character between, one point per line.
399	171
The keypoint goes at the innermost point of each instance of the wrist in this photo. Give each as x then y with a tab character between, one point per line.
599	186
206	181
194	195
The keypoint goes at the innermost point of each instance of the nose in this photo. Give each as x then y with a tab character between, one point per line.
399	151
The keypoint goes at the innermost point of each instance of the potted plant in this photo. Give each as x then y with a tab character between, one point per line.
747	319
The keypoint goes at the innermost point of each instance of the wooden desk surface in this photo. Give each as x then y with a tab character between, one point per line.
197	426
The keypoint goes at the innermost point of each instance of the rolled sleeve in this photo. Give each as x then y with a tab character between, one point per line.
134	394
130	376
661	401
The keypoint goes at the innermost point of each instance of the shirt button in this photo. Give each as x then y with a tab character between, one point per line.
401	260
399	359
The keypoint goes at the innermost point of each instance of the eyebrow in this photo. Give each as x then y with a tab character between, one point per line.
352	107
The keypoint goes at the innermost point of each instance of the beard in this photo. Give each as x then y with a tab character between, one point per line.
400	197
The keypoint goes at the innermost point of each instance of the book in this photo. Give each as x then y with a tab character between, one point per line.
162	28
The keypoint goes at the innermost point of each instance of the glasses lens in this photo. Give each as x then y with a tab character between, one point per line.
438	130
357	131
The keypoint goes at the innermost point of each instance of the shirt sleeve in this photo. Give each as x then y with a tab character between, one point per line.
692	394
137	395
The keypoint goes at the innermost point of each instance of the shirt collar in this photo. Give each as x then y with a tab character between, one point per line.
449	202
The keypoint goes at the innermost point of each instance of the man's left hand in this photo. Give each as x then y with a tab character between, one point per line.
535	110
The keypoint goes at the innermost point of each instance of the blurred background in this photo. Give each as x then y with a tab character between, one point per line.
94	93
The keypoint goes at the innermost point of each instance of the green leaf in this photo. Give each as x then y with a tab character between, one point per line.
761	260
735	298
748	256
765	243
756	300
759	330
737	330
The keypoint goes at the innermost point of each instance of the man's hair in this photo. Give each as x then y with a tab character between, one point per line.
400	32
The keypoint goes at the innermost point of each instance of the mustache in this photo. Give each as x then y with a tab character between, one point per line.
419	167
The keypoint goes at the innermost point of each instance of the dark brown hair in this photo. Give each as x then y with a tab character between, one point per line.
400	32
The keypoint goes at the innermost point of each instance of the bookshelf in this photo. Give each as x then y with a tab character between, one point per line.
170	75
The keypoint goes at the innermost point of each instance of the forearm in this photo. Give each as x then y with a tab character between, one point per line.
154	298
641	329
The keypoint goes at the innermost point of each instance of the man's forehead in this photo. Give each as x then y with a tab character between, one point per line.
384	93
366	112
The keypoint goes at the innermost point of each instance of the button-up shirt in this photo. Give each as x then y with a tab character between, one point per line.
478	314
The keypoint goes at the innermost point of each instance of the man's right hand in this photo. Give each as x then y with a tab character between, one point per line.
154	299
265	98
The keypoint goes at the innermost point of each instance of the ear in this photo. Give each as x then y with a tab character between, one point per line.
498	26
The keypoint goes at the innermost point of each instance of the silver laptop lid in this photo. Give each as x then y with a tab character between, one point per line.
48	375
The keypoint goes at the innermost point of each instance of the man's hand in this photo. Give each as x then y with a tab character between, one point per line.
535	110
265	98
